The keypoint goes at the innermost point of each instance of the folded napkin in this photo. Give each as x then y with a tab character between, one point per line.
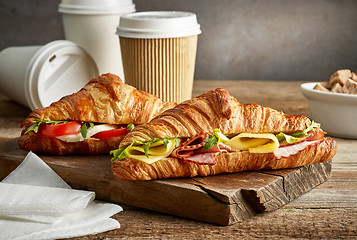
36	203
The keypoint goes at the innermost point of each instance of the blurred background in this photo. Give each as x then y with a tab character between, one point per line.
241	39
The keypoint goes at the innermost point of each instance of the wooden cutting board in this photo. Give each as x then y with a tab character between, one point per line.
222	199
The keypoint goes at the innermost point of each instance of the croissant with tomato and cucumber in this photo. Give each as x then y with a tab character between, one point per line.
212	134
92	121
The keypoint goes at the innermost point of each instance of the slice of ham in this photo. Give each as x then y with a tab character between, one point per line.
192	150
292	149
202	158
187	148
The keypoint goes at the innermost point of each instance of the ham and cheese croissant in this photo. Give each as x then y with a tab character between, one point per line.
92	121
213	133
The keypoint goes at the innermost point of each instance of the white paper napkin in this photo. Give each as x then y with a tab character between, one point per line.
33	171
42	204
36	203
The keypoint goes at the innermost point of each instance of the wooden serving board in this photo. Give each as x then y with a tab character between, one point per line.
221	199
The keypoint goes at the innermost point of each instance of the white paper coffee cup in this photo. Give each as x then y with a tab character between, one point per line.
36	76
92	25
159	52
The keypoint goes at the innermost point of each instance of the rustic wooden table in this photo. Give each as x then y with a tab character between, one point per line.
328	211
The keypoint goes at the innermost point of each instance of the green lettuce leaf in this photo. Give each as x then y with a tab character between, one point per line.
306	130
295	137
288	138
122	153
220	136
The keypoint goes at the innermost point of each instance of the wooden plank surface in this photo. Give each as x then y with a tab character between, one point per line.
221	199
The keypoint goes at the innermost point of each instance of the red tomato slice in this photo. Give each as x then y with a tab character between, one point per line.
60	129
118	132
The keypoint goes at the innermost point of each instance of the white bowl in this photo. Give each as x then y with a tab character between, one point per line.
336	112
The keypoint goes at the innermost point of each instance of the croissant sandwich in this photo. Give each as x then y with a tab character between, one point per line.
213	133
92	121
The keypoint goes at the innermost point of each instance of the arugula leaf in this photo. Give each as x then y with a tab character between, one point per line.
35	127
130	127
214	139
146	149
54	122
209	142
85	127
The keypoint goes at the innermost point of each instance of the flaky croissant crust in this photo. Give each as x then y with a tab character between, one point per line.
105	99
216	109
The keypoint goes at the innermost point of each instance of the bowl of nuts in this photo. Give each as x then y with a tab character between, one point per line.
333	104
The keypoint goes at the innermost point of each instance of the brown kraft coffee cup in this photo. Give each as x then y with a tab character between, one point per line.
159	52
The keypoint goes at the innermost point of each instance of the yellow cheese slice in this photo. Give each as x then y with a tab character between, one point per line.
254	142
156	152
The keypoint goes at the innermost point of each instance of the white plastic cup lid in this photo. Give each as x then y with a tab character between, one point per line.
160	24
57	69
96	7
